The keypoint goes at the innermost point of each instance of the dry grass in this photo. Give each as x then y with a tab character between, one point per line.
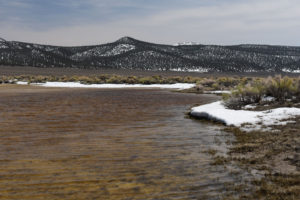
274	155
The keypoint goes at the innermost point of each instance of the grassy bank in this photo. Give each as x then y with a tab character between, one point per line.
272	158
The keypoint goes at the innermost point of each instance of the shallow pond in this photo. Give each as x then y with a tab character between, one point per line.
105	144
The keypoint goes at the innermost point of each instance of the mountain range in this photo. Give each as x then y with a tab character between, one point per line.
129	53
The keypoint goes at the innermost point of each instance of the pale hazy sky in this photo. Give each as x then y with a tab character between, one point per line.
84	22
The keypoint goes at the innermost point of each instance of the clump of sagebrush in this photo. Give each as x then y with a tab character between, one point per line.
281	88
7	80
260	91
221	83
229	82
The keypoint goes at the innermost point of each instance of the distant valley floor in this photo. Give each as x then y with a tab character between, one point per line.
56	71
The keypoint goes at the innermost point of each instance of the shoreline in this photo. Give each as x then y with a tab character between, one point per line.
246	120
179	86
271	152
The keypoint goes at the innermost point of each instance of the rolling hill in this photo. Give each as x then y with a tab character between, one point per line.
129	53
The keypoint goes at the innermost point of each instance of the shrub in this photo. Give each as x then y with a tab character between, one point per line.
199	88
147	80
38	79
189	79
207	82
131	80
228	81
246	94
52	78
85	80
250	93
4	79
216	86
281	88
115	79
176	79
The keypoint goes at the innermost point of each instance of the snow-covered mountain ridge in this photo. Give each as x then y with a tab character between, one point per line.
129	53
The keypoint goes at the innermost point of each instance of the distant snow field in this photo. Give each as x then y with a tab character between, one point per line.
179	86
247	120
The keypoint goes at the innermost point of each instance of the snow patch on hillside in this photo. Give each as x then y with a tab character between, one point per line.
119	49
291	71
3	44
93	52
103	51
200	70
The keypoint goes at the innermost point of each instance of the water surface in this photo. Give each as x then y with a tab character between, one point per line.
105	144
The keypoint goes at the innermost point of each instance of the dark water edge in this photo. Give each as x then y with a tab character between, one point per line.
107	144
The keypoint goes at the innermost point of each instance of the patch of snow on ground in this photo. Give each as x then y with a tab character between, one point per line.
268	99
254	120
22	83
180	86
249	106
218	92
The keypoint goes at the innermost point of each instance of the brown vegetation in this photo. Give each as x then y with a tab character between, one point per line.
279	90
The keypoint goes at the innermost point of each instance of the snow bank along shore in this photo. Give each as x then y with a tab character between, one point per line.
217	92
247	120
180	86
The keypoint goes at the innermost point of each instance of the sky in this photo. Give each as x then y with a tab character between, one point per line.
86	22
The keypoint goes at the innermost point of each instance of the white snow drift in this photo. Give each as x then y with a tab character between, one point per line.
218	92
248	120
180	86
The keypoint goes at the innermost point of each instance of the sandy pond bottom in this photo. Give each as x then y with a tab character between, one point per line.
105	144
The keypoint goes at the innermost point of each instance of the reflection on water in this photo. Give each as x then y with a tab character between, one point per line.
105	144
